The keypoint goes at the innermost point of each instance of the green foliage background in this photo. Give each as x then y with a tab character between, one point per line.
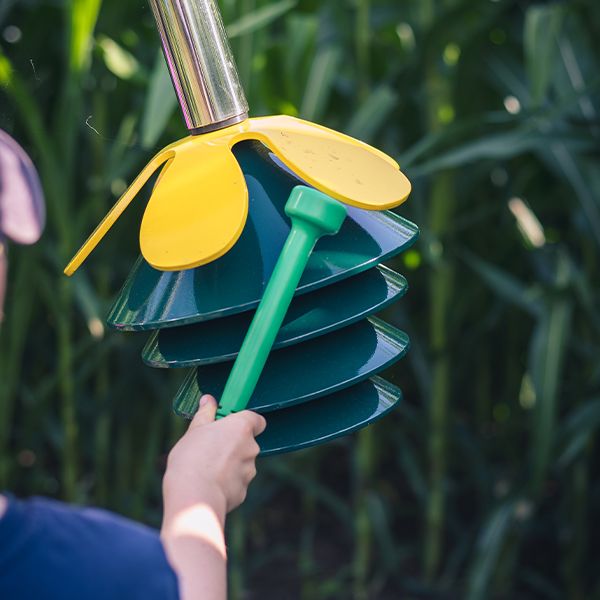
484	484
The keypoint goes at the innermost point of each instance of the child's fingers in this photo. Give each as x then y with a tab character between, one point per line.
257	422
206	412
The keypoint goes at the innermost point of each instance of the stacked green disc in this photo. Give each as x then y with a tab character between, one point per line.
320	380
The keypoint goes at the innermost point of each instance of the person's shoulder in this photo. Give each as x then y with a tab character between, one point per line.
98	524
122	545
112	556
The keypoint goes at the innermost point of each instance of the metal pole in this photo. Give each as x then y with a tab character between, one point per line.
199	59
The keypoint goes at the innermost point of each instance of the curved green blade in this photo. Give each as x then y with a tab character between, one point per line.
320	421
310	315
305	371
234	283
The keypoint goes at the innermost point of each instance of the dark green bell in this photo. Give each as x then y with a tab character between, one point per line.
306	371
330	417
320	380
309	316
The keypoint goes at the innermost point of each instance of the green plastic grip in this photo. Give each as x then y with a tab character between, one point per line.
313	215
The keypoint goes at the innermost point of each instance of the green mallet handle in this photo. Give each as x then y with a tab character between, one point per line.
313	214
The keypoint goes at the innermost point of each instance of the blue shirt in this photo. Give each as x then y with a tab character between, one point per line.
50	550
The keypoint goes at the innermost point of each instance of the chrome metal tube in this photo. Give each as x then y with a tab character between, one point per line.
200	62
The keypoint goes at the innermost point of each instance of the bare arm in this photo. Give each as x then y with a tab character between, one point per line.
208	473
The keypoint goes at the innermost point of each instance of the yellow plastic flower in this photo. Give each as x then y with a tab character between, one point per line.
199	205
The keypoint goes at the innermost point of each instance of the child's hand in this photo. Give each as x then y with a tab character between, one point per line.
214	460
208	473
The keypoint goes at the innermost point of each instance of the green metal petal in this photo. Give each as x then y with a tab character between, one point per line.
309	316
152	299
305	371
320	421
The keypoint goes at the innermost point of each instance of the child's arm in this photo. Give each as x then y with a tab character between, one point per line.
208	473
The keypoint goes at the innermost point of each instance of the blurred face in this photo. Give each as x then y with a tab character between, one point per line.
22	212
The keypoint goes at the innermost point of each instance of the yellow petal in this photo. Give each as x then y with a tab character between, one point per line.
336	164
198	208
117	210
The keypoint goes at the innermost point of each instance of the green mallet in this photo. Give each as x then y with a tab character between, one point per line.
313	215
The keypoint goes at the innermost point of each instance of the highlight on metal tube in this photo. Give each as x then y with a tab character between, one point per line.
201	64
